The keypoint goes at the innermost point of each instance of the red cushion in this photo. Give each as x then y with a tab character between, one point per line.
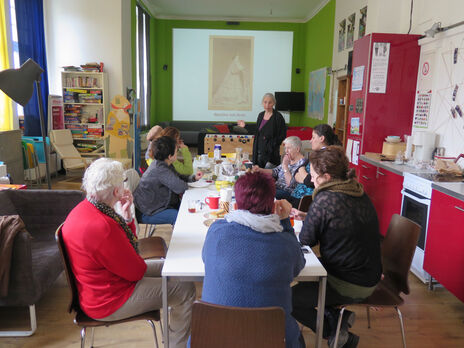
222	128
304	133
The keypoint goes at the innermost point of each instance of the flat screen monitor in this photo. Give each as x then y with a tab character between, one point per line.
290	101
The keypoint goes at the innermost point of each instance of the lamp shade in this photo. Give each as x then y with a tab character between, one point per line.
18	84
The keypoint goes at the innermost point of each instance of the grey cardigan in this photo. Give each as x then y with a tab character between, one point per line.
156	187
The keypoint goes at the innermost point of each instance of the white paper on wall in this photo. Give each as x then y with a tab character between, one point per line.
422	110
379	67
355	153
358	77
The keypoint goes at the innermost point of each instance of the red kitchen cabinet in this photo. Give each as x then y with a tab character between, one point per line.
388	197
444	248
384	189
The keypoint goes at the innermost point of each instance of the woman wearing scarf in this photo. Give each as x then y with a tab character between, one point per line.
343	221
113	281
252	255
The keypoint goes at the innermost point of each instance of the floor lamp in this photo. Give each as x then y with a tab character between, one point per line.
18	84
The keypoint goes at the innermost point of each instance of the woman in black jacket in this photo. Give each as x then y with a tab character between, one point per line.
343	221
270	132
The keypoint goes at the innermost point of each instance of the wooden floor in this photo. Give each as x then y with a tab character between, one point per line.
432	319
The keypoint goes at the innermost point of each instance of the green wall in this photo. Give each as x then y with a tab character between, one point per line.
318	54
312	49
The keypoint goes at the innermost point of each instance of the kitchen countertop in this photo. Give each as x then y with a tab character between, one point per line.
453	189
399	169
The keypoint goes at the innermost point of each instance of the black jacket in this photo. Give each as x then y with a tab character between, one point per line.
268	139
347	230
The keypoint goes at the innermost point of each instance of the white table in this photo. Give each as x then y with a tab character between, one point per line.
183	260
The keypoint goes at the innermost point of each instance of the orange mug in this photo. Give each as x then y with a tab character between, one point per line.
213	202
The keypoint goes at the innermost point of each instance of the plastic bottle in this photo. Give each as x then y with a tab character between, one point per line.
217	152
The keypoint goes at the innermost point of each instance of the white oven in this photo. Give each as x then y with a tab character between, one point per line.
417	194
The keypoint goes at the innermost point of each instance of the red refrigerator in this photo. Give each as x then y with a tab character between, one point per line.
384	77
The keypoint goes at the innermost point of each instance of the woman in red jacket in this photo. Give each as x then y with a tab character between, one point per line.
113	281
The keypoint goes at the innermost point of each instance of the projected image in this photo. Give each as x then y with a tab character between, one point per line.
230	72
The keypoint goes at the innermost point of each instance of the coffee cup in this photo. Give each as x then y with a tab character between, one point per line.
204	158
212	202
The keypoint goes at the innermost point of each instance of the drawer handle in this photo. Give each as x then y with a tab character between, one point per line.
365	177
380	173
459	208
366	167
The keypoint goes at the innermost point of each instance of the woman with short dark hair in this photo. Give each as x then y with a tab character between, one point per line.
157	197
252	255
343	221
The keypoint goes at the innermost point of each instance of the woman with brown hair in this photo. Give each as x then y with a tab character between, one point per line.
343	221
185	167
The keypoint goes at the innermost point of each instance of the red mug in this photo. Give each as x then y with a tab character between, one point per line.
213	202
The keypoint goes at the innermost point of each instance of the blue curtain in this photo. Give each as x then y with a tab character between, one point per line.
31	40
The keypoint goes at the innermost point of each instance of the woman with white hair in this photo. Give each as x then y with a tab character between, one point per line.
113	281
270	132
285	172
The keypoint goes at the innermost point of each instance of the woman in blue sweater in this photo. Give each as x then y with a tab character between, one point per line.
252	255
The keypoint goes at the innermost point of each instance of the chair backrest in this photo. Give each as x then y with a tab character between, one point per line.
74	304
227	327
398	250
62	142
305	202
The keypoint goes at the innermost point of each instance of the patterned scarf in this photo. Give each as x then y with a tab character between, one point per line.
349	187
107	210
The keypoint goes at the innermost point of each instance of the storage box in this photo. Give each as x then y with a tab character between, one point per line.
391	149
38	146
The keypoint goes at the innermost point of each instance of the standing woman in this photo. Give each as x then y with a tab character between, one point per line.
270	132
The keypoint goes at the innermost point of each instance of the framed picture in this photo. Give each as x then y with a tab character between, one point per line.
55	112
362	22
350	31
341	35
230	72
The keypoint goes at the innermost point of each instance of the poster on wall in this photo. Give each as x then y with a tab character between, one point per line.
316	92
55	112
379	67
362	22
354	126
358	78
350	31
341	35
422	110
230	72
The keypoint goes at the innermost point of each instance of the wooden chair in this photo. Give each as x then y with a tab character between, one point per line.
230	327
398	250
81	319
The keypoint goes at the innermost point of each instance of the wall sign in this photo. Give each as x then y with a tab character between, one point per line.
379	67
422	110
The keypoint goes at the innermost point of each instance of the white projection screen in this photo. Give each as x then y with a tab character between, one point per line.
222	75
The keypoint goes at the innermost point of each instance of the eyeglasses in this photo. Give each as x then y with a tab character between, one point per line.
125	180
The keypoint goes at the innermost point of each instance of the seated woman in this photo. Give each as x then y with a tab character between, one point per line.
323	136
252	256
343	221
157	197
185	167
113	281
284	173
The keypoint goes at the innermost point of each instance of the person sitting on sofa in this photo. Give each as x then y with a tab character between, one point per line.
157	197
252	255
113	281
284	173
185	167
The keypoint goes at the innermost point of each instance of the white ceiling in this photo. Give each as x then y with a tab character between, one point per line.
236	10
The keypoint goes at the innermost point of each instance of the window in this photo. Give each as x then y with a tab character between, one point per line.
143	64
14	43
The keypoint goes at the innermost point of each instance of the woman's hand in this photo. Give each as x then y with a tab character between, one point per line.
285	161
181	144
241	123
301	175
297	214
126	201
282	208
198	176
255	169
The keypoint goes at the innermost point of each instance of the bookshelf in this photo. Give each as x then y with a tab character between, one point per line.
86	104
344	86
